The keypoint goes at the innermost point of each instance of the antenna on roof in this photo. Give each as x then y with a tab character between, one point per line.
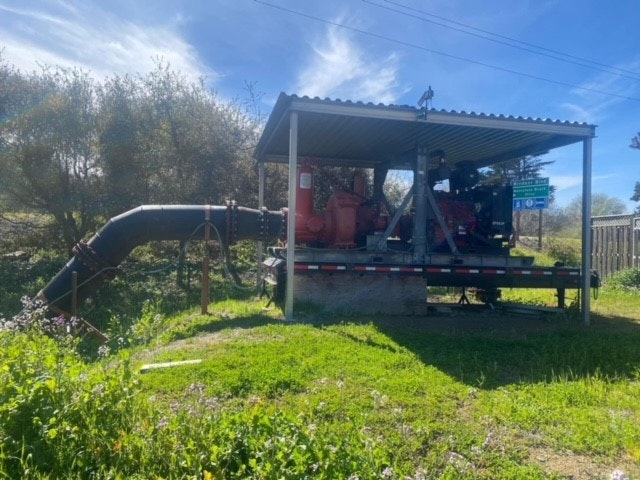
425	100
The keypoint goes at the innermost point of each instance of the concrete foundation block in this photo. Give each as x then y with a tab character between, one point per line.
363	293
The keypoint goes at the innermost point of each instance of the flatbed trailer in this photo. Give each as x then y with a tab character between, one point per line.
487	279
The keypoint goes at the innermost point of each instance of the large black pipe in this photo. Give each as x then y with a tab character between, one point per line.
97	260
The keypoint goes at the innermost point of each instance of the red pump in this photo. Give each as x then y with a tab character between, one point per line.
347	215
308	224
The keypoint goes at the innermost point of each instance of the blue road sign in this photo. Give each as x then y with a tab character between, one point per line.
539	203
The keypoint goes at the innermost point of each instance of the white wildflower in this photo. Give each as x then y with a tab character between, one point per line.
387	473
104	351
618	475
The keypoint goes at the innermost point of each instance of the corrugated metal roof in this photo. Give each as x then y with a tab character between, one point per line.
336	132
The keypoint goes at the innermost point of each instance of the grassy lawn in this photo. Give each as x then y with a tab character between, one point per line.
468	395
475	393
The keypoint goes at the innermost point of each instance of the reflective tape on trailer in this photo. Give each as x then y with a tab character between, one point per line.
437	270
491	271
387	269
533	272
334	268
569	272
467	270
307	267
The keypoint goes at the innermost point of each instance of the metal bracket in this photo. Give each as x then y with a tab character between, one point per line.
436	210
395	219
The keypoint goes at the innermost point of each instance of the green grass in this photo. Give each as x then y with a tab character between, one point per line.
461	396
467	395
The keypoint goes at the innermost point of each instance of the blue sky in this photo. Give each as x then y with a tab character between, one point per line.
374	50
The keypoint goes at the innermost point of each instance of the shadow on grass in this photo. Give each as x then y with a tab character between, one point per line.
481	348
489	350
221	321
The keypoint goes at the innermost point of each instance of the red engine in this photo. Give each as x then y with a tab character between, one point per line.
460	218
478	218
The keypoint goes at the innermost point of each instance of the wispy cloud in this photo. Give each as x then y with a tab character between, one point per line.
88	37
568	182
593	107
565	182
339	68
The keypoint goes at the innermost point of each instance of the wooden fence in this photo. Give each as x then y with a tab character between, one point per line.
615	243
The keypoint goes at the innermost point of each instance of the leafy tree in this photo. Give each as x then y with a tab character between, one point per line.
84	151
601	204
636	196
121	127
201	146
49	146
517	169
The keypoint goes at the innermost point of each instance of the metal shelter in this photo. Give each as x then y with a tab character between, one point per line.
355	134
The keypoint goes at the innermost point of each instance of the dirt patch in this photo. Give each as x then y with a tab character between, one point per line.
192	343
580	467
204	341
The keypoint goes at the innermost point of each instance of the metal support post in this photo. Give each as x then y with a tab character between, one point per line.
633	243
259	245
586	232
420	206
291	220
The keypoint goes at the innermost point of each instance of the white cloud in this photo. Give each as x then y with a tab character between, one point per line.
593	107
569	187
95	40
581	113
339	68
567	182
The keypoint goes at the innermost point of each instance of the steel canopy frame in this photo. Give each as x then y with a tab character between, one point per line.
333	132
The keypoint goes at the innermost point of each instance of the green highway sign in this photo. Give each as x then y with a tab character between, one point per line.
533	188
531	194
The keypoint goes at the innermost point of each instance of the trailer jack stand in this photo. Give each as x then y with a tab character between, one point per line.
464	300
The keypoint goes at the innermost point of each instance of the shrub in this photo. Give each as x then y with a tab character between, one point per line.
567	251
625	280
55	412
24	277
61	417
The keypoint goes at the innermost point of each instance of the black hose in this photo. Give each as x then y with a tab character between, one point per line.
97	260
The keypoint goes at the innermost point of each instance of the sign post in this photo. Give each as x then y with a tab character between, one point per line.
634	242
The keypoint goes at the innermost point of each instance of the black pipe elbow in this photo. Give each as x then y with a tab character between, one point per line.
97	260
